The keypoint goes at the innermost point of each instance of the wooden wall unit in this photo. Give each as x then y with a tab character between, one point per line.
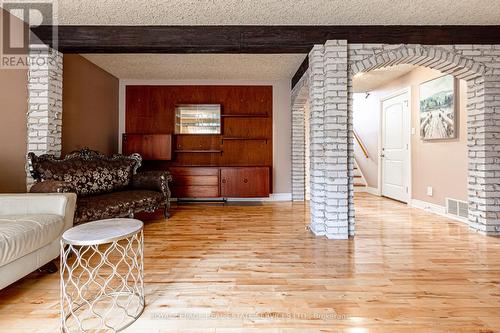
200	162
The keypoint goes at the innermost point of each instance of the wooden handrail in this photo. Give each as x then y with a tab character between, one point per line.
360	143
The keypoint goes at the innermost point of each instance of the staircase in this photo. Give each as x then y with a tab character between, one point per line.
360	184
359	180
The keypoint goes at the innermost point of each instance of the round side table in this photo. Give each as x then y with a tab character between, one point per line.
102	275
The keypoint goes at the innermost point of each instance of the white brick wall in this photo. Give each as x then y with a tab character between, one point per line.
331	68
44	116
317	152
336	141
331	184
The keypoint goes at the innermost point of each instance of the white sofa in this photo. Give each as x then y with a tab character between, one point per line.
31	226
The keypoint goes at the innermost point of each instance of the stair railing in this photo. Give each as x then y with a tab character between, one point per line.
360	143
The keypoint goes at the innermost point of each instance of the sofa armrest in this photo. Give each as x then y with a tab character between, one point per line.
52	186
47	203
153	180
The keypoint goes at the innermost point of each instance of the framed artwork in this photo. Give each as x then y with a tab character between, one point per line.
438	109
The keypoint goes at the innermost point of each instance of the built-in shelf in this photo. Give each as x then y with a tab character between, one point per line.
255	139
191	134
209	151
265	115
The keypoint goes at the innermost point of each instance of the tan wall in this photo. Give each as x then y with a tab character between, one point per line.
90	106
440	164
13	109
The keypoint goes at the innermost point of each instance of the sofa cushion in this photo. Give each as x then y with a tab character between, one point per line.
23	234
96	177
116	204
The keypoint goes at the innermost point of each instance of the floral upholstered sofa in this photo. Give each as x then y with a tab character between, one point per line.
106	187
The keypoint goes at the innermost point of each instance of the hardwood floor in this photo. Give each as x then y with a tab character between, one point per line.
257	269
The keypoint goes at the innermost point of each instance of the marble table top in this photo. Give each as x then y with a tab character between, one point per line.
102	231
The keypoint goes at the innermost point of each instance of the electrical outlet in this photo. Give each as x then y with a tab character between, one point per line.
429	191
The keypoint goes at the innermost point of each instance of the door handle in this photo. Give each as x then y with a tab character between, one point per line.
245	180
382	155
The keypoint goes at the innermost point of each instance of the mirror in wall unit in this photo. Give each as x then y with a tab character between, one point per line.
198	119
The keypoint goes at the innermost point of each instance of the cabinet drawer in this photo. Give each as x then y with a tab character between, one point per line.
187	171
186	180
195	192
195	182
245	182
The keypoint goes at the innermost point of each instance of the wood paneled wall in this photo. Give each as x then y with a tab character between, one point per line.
246	138
150	109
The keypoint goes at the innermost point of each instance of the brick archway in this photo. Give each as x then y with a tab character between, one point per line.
446	60
330	76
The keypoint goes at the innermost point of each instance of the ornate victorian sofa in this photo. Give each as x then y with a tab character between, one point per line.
106	187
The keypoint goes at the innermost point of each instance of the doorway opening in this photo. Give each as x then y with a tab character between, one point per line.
477	82
415	136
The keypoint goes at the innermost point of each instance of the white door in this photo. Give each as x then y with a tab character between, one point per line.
394	152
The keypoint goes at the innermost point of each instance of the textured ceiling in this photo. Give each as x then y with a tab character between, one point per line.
274	12
199	66
368	81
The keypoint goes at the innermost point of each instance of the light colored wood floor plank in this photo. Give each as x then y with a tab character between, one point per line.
257	269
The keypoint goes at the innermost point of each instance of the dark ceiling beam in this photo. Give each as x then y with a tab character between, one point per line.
300	71
251	39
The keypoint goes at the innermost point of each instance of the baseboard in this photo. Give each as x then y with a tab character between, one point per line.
367	189
430	207
436	209
281	196
372	190
272	197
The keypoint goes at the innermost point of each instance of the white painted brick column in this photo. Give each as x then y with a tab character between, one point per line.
298	152
329	140
317	153
300	96
483	109
336	140
44	118
492	153
477	153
